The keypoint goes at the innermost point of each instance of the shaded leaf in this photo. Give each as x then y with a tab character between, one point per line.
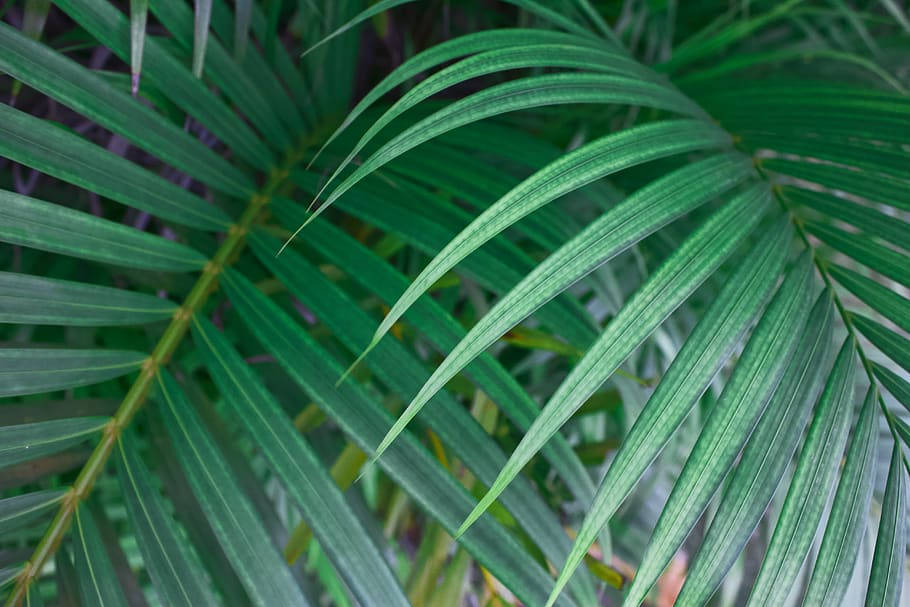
34	370
339	531
396	367
58	152
96	578
51	227
365	422
24	442
88	93
28	299
169	74
15	512
175	574
441	329
255	559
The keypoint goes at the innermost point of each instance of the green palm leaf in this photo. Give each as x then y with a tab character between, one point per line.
811	485
337	528
256	561
663	292
890	543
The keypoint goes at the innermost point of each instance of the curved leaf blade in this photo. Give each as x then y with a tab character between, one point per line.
365	421
396	367
373	273
885	579
588	163
641	214
696	259
730	422
764	460
706	350
846	524
525	93
523	56
446	51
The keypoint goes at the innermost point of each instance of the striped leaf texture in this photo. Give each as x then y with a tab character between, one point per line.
512	302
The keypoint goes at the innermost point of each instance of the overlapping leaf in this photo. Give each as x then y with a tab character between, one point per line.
51	227
811	485
846	524
641	214
98	583
696	259
588	163
764	460
174	572
256	560
443	331
76	86
36	370
53	150
341	535
407	462
730	422
525	93
398	369
24	509
886	577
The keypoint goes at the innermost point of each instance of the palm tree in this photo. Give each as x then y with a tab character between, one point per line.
631	291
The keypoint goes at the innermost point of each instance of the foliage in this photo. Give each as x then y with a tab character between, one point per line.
605	287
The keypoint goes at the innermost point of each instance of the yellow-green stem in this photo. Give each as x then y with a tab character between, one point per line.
138	392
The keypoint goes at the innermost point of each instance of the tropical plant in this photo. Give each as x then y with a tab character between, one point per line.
608	286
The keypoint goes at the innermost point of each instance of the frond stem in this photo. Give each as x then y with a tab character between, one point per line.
138	393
